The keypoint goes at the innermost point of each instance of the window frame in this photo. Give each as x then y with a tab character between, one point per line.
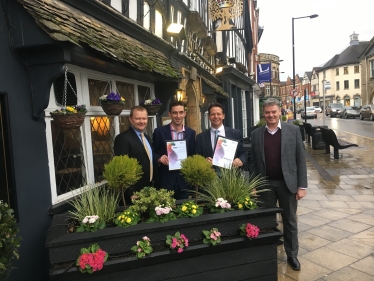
346	84
82	89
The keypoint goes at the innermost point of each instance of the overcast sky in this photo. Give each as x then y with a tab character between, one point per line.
316	40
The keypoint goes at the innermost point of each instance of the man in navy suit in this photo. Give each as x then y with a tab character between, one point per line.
205	141
130	143
173	180
278	154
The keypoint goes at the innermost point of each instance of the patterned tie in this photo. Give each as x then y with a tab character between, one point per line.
149	156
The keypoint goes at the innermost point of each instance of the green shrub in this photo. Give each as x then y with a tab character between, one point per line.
99	200
297	122
197	171
284	118
149	198
232	186
261	122
9	243
122	172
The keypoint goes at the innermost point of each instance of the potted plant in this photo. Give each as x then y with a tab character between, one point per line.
112	104
9	243
151	105
122	172
69	117
197	172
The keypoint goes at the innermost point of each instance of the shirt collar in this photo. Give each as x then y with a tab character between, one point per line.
278	127
220	129
172	128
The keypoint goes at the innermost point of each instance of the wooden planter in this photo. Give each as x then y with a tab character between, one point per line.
237	258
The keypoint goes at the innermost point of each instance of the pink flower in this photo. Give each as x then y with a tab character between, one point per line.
180	250
145	238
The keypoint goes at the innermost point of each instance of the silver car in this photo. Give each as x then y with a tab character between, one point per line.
367	111
349	112
310	113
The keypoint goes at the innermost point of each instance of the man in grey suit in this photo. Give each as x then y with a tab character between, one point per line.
205	141
278	154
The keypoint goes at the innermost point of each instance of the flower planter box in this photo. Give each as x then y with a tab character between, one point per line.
236	259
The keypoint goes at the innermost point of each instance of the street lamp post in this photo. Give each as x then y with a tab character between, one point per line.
293	60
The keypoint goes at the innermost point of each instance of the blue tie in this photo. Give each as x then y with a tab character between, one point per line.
215	138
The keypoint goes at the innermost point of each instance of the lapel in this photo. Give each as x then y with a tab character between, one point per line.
139	142
208	141
167	132
261	141
284	131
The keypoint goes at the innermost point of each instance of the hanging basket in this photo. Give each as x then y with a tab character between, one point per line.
113	108
69	121
152	108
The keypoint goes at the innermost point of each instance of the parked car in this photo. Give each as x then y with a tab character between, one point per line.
310	113
367	111
349	112
299	110
333	109
318	109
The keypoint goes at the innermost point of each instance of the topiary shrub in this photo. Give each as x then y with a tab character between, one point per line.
197	172
122	172
9	243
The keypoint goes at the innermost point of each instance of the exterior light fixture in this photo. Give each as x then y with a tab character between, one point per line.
177	30
219	69
179	94
202	100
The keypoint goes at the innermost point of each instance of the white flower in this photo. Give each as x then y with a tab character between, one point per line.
145	238
85	220
146	102
91	220
103	97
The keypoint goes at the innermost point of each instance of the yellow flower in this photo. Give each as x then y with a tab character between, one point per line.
184	208
122	221
246	198
123	216
128	220
240	206
69	108
122	99
194	206
119	218
194	211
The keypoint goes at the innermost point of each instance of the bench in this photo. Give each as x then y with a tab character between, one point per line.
329	138
315	134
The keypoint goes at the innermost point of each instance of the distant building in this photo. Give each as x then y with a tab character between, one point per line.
343	71
367	73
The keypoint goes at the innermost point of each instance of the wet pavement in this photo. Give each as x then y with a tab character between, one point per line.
336	218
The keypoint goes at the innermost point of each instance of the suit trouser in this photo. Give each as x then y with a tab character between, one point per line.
278	191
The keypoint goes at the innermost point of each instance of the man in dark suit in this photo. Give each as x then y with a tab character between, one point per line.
278	154
130	143
173	180
205	141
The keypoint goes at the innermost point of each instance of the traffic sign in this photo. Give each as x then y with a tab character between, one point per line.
294	92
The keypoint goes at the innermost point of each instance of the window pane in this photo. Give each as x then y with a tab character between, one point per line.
158	24
96	89
102	134
70	172
126	91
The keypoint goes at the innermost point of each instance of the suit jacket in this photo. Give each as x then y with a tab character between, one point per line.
169	178
204	144
128	143
292	156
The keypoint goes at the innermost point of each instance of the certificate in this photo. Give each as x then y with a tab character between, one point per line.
224	152
177	151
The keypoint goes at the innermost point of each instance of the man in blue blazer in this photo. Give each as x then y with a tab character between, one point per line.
130	143
278	154
173	180
205	141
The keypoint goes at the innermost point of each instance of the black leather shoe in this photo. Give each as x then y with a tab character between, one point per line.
294	263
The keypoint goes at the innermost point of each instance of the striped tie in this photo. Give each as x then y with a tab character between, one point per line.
149	156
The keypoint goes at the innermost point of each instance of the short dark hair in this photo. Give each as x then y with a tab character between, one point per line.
216	104
176	103
137	108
